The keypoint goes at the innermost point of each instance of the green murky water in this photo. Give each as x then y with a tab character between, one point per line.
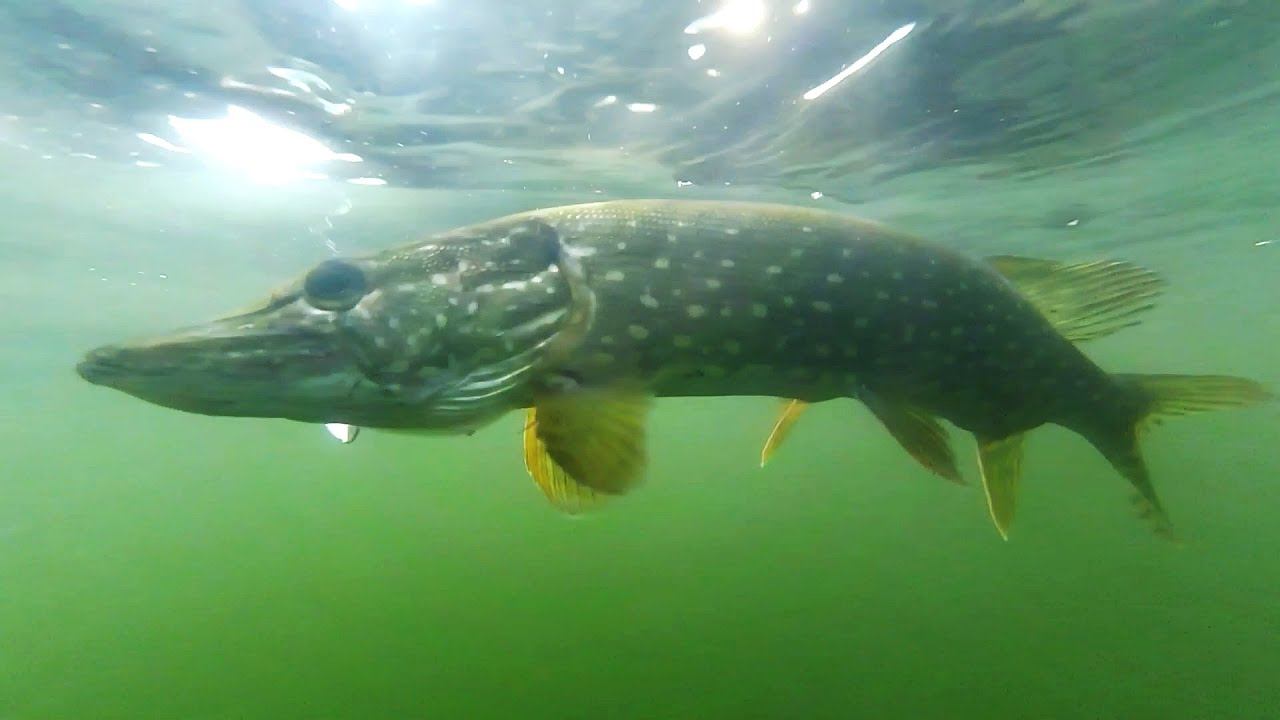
161	565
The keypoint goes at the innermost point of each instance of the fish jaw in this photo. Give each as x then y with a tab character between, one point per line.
300	363
234	368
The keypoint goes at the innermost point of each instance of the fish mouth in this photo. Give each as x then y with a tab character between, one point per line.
116	367
99	366
136	373
226	369
248	356
108	365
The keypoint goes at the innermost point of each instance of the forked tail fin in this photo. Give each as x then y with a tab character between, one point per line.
1172	395
1149	399
1139	401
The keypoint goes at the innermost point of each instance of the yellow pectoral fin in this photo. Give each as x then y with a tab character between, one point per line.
564	492
597	438
789	415
1001	464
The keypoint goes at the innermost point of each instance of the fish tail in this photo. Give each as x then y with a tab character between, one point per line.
1143	401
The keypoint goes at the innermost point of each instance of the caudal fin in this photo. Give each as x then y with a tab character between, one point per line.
1173	395
1150	399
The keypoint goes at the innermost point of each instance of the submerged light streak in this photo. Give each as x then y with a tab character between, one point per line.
740	17
355	5
861	62
160	142
267	152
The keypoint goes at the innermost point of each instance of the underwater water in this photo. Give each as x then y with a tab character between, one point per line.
165	163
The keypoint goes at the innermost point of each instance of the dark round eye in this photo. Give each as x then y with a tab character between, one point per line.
335	285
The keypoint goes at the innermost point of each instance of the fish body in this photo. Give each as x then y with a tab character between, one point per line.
582	313
722	299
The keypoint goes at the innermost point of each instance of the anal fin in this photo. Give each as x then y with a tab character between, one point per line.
1001	464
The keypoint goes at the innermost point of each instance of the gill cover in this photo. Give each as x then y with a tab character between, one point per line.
461	321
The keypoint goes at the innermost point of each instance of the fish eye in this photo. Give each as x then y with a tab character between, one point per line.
335	285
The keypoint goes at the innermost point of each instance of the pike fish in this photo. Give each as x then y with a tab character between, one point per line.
580	315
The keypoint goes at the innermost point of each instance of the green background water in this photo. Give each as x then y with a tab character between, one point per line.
161	565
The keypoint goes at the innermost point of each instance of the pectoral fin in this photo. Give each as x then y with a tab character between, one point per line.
594	438
1001	464
918	433
790	414
563	491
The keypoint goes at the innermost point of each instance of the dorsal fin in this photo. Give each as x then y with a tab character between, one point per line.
1083	300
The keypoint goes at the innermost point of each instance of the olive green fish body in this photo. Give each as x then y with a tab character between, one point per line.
736	299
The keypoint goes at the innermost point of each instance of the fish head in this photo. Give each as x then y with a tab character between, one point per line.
442	335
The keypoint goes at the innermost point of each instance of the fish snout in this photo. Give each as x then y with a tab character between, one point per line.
101	364
115	364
